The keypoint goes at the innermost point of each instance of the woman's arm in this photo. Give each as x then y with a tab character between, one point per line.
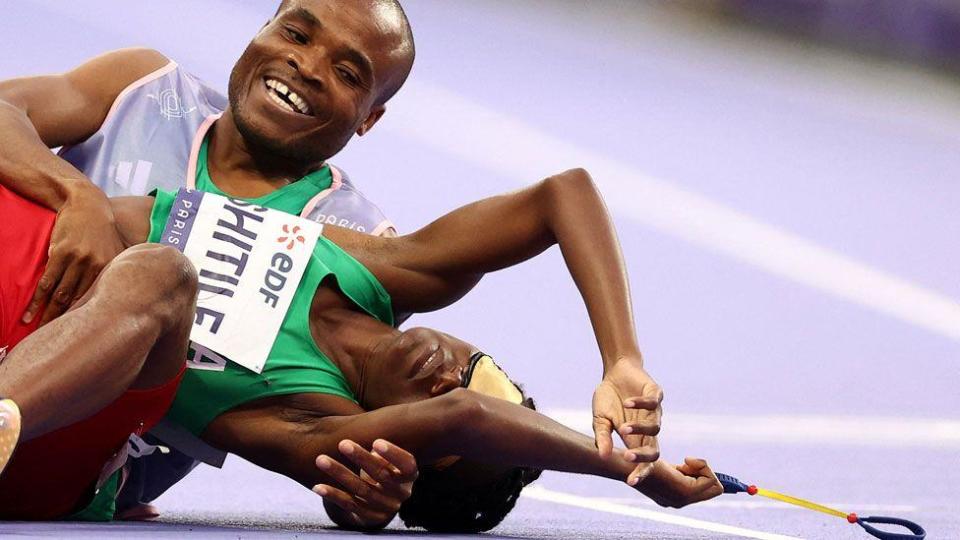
288	440
441	262
438	264
461	422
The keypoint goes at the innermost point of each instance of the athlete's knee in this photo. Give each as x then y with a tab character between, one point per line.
160	278
179	275
176	280
165	267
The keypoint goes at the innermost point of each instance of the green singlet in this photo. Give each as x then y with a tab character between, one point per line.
295	364
291	198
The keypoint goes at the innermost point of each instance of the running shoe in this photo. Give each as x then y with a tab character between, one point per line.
9	430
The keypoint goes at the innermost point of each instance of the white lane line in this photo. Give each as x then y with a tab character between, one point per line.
599	505
866	431
500	143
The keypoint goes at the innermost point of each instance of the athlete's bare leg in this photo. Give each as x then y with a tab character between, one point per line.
129	331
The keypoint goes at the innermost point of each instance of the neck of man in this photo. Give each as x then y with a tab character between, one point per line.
244	171
347	337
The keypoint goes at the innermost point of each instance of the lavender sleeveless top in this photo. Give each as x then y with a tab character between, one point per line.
151	138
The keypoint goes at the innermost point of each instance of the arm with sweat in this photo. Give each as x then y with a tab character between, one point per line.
438	264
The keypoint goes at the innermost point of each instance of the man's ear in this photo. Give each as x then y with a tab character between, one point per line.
375	114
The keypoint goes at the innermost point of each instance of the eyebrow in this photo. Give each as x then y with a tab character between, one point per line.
357	57
352	54
305	14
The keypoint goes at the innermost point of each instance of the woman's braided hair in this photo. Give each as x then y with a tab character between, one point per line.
438	504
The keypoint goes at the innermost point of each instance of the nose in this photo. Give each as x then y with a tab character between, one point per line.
447	381
449	376
309	68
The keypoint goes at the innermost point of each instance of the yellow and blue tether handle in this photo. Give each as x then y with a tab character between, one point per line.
732	485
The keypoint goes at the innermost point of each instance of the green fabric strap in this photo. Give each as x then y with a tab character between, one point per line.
104	503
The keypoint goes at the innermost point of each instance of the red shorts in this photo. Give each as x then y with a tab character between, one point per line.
55	475
25	238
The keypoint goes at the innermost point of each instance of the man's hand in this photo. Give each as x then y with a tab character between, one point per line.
83	241
680	485
370	499
628	401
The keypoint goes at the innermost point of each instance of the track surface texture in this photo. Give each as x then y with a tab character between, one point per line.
788	215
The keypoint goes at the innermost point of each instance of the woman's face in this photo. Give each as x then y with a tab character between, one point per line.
414	365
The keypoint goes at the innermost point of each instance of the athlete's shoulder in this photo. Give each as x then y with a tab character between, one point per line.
140	66
123	66
69	107
344	186
346	206
101	79
142	59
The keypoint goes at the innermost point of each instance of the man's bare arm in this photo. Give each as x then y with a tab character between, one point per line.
38	113
43	112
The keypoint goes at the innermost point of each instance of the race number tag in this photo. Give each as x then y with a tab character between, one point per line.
249	260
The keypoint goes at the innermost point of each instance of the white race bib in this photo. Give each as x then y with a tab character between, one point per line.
249	260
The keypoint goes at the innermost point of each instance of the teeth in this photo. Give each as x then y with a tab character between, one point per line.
430	360
298	102
279	101
282	89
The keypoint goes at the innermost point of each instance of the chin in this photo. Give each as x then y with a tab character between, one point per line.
268	140
263	140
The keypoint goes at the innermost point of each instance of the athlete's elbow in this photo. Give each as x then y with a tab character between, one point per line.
463	410
574	185
578	174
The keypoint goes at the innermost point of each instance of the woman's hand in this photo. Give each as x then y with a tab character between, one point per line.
676	486
628	401
371	498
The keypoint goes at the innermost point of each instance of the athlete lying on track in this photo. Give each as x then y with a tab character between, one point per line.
283	421
104	117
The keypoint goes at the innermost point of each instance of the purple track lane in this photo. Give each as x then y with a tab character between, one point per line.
788	215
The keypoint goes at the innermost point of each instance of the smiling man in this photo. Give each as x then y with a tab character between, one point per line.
131	121
326	98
